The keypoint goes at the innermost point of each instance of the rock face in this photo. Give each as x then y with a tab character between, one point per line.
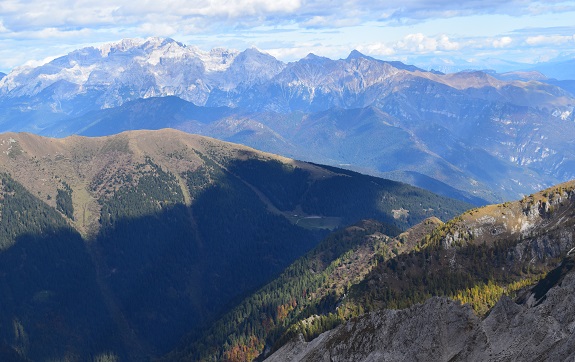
539	326
542	222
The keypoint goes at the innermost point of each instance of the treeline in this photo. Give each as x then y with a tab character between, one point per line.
22	213
64	201
143	193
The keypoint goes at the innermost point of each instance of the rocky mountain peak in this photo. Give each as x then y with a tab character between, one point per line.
125	70
314	57
355	54
535	216
120	46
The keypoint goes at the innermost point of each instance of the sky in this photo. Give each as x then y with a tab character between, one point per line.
437	31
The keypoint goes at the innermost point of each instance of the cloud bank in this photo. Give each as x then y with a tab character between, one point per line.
37	29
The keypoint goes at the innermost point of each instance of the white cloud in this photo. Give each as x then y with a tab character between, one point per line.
163	30
319	22
416	43
55	13
502	42
446	44
420	43
549	39
380	49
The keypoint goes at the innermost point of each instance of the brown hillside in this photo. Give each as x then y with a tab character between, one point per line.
44	165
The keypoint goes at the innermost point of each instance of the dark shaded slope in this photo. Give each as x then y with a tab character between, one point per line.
174	267
304	288
51	306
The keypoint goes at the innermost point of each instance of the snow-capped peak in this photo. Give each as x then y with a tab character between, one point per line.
122	45
135	68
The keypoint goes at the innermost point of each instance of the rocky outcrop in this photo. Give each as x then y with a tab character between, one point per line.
539	326
542	224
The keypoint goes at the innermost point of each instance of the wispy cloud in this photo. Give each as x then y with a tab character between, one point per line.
541	40
24	14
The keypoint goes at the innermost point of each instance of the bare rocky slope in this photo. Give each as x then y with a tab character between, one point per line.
540	326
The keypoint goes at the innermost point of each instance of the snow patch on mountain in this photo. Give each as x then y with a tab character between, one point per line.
141	68
151	56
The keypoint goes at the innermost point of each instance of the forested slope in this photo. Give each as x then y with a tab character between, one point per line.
475	259
166	231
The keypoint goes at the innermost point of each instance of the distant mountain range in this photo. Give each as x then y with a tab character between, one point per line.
560	68
476	136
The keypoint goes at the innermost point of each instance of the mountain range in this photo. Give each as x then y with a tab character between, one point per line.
477	136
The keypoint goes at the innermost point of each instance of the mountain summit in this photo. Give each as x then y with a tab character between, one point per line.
136	68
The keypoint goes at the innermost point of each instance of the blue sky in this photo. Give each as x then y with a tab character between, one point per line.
409	30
